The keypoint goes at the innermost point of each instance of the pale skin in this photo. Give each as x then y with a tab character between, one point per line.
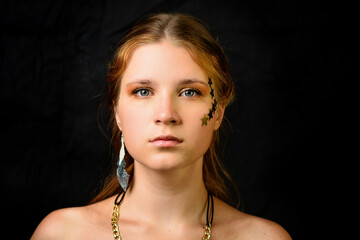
163	92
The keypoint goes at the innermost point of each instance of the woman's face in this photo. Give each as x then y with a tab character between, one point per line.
164	95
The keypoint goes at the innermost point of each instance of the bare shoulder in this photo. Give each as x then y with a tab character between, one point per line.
58	224
260	228
234	224
75	223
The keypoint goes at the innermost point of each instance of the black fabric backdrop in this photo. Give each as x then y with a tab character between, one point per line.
284	55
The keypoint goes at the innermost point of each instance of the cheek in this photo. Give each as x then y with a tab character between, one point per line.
200	142
131	118
134	124
199	134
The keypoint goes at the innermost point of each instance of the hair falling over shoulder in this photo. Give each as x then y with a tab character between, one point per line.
187	32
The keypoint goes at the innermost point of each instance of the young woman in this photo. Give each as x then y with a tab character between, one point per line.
168	86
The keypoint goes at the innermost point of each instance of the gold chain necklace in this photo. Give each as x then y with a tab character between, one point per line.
115	217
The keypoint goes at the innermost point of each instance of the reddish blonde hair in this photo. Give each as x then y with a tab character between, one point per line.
184	31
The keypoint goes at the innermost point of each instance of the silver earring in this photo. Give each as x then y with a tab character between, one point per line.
122	175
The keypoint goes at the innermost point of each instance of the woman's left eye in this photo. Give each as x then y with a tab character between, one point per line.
190	93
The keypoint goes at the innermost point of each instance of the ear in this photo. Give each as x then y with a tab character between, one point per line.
117	117
219	115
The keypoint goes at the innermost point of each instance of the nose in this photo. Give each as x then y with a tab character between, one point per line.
166	111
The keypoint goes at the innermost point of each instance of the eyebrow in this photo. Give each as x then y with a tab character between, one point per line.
148	82
141	81
192	81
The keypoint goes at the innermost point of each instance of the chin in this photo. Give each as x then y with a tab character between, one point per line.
166	162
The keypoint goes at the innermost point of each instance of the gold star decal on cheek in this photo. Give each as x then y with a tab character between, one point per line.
204	120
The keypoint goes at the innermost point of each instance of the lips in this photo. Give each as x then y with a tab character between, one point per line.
166	141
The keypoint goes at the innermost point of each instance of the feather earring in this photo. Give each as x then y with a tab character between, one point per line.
122	175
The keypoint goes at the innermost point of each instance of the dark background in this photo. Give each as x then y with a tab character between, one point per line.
285	57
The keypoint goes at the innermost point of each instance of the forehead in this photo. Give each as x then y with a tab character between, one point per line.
162	61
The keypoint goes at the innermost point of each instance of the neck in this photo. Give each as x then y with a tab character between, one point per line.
167	197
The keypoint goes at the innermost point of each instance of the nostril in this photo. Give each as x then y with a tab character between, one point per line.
166	112
168	120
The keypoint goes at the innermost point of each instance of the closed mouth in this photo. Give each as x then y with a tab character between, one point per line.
166	141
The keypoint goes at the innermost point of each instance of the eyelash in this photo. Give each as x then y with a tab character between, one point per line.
138	90
195	91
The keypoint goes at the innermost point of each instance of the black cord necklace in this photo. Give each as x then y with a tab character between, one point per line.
210	202
209	220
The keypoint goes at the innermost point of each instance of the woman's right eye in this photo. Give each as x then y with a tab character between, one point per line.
142	92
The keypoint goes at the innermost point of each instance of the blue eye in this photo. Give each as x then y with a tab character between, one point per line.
142	92
190	93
